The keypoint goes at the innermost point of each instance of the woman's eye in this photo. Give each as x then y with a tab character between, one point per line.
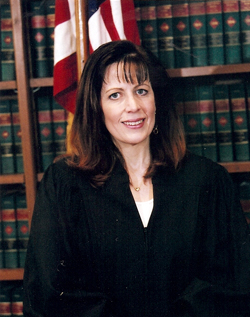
142	92
114	95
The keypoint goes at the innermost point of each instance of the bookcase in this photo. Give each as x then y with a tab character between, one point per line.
24	85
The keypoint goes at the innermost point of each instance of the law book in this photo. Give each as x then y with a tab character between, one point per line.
179	102
192	120
239	119
6	138
181	31
17	301
208	132
244	193
215	32
22	220
247	85
5	298
17	136
7	47
231	19
223	123
165	33
149	37
50	25
38	39
59	126
45	135
9	231
245	30
1	239
137	6
198	28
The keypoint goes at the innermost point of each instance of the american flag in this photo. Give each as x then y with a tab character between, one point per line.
108	20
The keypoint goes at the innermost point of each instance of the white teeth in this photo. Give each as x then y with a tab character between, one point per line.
133	123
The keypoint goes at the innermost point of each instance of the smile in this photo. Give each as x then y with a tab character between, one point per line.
129	123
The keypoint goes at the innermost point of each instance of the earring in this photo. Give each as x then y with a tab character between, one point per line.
155	130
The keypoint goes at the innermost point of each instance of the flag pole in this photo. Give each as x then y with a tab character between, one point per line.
81	47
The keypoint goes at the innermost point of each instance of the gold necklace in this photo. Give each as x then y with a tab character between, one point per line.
137	188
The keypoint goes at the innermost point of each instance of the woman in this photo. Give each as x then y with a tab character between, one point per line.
130	224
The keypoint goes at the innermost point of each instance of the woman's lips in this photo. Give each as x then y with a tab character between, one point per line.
134	123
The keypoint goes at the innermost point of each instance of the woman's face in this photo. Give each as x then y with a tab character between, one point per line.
129	108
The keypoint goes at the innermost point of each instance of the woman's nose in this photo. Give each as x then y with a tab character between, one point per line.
133	103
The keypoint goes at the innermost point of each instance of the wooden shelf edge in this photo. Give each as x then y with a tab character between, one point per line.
6	85
11	274
209	70
41	82
11	179
237	167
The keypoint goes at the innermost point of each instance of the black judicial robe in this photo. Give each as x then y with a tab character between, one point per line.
89	254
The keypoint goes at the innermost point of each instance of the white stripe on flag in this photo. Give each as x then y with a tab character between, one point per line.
118	18
65	36
98	33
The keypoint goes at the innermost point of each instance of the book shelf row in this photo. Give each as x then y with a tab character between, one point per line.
11	299
14	228
216	118
192	33
41	22
52	127
51	121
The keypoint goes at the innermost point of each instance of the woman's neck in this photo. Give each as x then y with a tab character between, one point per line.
137	160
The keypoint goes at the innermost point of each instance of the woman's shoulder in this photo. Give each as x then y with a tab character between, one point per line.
202	168
61	172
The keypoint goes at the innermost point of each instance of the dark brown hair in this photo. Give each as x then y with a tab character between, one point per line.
92	148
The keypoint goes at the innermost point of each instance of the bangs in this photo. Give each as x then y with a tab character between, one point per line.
132	69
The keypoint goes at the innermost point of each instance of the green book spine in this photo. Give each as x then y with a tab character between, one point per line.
17	301
179	102
244	193
6	138
50	26
22	216
239	117
198	30
245	30
59	119
231	20
138	16
165	33
5	299
38	39
7	47
181	31
224	123
206	106
1	240
192	121
9	231
215	32
149	26
45	130
17	135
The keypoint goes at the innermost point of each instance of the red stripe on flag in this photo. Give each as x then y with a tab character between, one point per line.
107	16
65	82
62	12
129	22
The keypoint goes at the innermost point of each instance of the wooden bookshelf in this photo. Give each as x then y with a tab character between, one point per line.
237	167
11	274
209	70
